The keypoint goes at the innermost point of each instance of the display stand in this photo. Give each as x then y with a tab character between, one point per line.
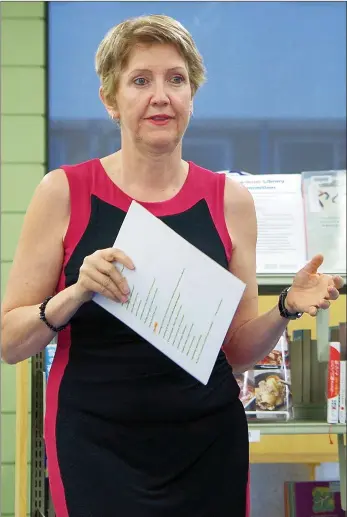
40	504
38	492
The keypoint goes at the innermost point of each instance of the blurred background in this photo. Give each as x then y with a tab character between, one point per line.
275	99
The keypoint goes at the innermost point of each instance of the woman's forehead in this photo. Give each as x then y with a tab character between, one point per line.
154	56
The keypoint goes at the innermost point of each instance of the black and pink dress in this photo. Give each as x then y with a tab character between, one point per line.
128	432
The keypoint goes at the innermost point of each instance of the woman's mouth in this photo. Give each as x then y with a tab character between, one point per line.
160	120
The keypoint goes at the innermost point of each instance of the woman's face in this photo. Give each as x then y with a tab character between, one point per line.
154	98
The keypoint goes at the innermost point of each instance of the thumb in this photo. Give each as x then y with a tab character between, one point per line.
314	264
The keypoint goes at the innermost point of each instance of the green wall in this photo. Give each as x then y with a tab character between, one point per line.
22	167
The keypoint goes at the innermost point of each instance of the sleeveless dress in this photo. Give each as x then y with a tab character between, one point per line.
129	433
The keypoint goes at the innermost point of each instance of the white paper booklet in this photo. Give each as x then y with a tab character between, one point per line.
181	301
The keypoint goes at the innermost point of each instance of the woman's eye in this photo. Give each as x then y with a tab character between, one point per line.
177	79
140	81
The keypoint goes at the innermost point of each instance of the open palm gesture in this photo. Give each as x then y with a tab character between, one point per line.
311	290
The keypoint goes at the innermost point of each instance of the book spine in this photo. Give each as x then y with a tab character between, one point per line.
342	408
333	383
286	500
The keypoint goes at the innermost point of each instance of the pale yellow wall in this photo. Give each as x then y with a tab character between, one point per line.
337	314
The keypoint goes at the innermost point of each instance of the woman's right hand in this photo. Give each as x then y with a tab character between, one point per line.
98	274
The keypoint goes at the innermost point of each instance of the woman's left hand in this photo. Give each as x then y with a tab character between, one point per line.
311	290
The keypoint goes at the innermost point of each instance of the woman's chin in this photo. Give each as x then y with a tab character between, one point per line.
161	142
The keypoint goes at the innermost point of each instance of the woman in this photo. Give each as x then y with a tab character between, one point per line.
128	432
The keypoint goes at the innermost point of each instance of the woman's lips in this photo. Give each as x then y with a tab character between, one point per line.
159	120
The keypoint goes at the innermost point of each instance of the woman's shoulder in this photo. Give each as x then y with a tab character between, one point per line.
80	168
57	182
54	184
206	177
233	189
238	201
202	170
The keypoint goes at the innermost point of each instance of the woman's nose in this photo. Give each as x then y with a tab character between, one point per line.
160	95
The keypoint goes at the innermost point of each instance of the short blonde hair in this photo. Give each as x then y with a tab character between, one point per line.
113	52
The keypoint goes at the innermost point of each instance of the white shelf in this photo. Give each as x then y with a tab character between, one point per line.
284	279
268	279
292	427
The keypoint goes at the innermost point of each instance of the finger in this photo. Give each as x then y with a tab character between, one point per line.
95	287
110	270
333	293
314	264
313	310
113	254
104	284
338	282
324	304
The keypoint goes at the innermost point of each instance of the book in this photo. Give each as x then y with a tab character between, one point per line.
265	391
342	400
343	373
313	499
333	389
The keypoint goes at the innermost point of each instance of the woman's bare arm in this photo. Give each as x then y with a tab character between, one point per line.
251	337
35	272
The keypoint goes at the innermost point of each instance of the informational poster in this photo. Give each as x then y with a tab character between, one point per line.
281	246
298	216
325	215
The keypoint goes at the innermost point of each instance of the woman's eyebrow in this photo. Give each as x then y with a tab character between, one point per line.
147	70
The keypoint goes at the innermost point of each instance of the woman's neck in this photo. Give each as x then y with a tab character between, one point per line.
147	177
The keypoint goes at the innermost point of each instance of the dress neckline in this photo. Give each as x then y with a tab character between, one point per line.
172	202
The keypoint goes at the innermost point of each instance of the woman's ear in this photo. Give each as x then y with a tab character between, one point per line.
111	110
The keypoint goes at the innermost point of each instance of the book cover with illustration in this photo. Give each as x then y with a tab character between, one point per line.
313	499
265	391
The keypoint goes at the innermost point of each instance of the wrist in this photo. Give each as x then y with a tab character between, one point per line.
56	311
286	309
47	320
287	305
78	296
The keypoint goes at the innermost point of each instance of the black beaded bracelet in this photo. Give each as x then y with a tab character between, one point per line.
43	316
